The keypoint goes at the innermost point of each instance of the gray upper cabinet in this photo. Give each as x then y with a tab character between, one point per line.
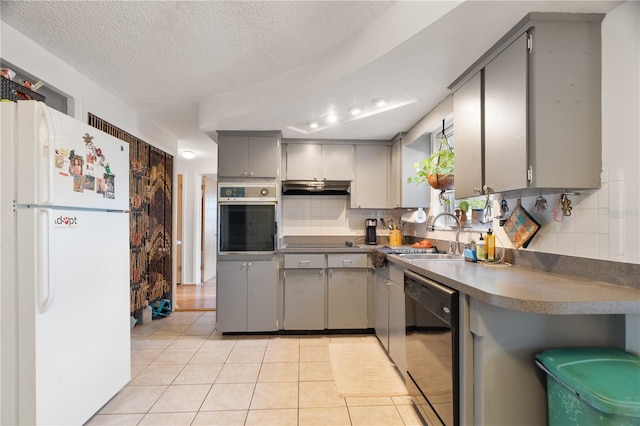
248	156
319	162
403	157
370	187
469	149
527	114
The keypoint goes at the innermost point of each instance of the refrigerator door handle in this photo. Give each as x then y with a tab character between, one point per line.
45	273
48	143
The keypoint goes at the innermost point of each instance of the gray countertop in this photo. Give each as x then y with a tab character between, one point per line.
508	287
527	290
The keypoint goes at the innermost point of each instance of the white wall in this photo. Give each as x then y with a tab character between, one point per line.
87	95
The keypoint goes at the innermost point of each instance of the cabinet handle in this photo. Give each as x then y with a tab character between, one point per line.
389	283
249	264
346	262
477	190
321	272
304	263
250	173
245	174
330	272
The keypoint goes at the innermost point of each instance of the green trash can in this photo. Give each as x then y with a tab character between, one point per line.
591	386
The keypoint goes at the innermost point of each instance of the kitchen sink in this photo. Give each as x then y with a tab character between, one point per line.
430	256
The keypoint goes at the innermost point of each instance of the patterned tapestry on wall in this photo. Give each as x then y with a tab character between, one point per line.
150	188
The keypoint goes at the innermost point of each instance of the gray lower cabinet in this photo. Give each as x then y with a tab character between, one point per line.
397	325
389	316
347	301
304	307
507	388
381	305
247	295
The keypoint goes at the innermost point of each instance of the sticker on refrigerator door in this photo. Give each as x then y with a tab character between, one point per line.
76	165
78	183
89	183
62	161
93	152
65	221
109	185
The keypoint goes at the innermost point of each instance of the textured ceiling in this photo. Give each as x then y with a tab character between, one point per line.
212	45
194	66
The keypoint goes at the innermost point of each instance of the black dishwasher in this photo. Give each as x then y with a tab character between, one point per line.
432	345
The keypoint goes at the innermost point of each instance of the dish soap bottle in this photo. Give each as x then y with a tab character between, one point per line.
481	251
491	245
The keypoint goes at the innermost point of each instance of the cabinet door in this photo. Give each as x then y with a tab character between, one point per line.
394	190
347	302
233	156
397	326
262	296
381	307
232	296
337	162
505	90
304	299
303	162
469	151
370	188
263	154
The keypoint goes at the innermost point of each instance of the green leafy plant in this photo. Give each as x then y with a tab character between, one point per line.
439	163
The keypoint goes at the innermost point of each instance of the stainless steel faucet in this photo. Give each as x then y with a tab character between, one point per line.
431	225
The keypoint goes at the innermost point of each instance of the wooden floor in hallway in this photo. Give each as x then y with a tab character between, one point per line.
193	297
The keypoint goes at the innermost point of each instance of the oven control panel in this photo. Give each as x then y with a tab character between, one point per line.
247	192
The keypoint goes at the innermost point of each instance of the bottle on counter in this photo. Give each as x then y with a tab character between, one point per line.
481	250
491	245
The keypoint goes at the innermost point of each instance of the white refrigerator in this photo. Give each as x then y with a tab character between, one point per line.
64	263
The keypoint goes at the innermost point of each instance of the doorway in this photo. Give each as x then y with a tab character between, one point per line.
200	295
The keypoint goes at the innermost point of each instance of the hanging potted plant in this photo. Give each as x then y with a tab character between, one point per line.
437	169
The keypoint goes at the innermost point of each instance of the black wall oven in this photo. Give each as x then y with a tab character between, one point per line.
247	218
432	346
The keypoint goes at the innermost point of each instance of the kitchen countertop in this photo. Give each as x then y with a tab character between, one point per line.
340	247
527	290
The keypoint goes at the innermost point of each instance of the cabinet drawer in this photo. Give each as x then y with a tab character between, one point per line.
292	261
347	260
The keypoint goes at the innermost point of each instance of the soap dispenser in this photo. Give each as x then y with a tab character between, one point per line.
481	250
491	245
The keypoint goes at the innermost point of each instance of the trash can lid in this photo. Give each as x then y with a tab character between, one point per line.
608	379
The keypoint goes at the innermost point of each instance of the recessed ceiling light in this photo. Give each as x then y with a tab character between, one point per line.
332	118
355	110
380	102
188	154
313	124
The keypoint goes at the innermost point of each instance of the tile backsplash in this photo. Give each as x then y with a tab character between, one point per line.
325	215
595	228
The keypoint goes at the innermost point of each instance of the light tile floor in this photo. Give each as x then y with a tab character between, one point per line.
186	373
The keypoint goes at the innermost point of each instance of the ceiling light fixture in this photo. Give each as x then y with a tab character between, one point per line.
332	119
188	154
355	110
379	102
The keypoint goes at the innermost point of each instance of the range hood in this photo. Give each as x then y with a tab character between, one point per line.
310	187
